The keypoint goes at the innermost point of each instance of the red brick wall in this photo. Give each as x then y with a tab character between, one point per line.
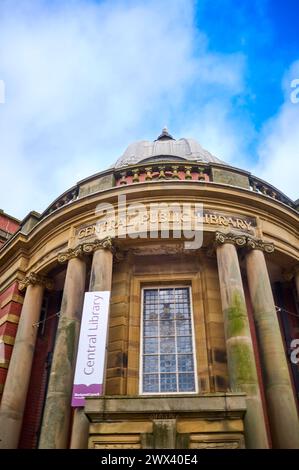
39	374
8	226
11	301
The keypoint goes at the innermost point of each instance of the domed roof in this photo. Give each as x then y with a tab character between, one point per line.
167	147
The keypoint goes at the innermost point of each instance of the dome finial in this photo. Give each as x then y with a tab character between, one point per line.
165	135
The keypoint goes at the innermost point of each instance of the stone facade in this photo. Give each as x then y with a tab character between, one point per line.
244	295
209	421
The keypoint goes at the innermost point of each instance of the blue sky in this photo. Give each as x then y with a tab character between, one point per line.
85	78
266	32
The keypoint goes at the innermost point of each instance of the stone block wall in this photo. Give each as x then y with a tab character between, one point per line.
11	301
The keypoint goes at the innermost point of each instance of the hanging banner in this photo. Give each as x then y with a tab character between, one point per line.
90	364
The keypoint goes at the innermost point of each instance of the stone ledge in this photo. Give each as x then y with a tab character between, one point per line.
209	406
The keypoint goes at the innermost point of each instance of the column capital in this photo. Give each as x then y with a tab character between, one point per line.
230	237
258	244
34	279
85	249
70	253
245	240
104	244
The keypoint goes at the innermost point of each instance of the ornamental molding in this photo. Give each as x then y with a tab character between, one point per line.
70	253
258	244
85	249
104	244
243	241
230	237
35	279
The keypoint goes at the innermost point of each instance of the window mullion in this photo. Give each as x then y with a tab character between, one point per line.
176	332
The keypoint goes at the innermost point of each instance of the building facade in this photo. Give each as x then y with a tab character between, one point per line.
201	260
8	226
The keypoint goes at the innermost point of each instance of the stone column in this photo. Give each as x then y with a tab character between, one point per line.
240	356
100	280
297	281
279	393
55	426
18	376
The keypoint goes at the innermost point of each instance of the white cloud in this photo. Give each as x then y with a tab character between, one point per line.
83	79
279	143
222	131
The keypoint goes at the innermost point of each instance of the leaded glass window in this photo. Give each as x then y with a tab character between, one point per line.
167	360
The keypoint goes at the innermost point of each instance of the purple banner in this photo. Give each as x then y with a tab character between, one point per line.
90	363
80	391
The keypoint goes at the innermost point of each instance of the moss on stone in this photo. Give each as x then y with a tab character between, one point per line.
70	341
64	355
236	316
56	413
241	361
164	434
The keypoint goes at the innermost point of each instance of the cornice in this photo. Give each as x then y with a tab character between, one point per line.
209	193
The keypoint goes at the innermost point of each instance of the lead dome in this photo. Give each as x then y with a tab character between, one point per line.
165	147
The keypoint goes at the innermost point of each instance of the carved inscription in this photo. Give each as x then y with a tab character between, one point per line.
104	226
